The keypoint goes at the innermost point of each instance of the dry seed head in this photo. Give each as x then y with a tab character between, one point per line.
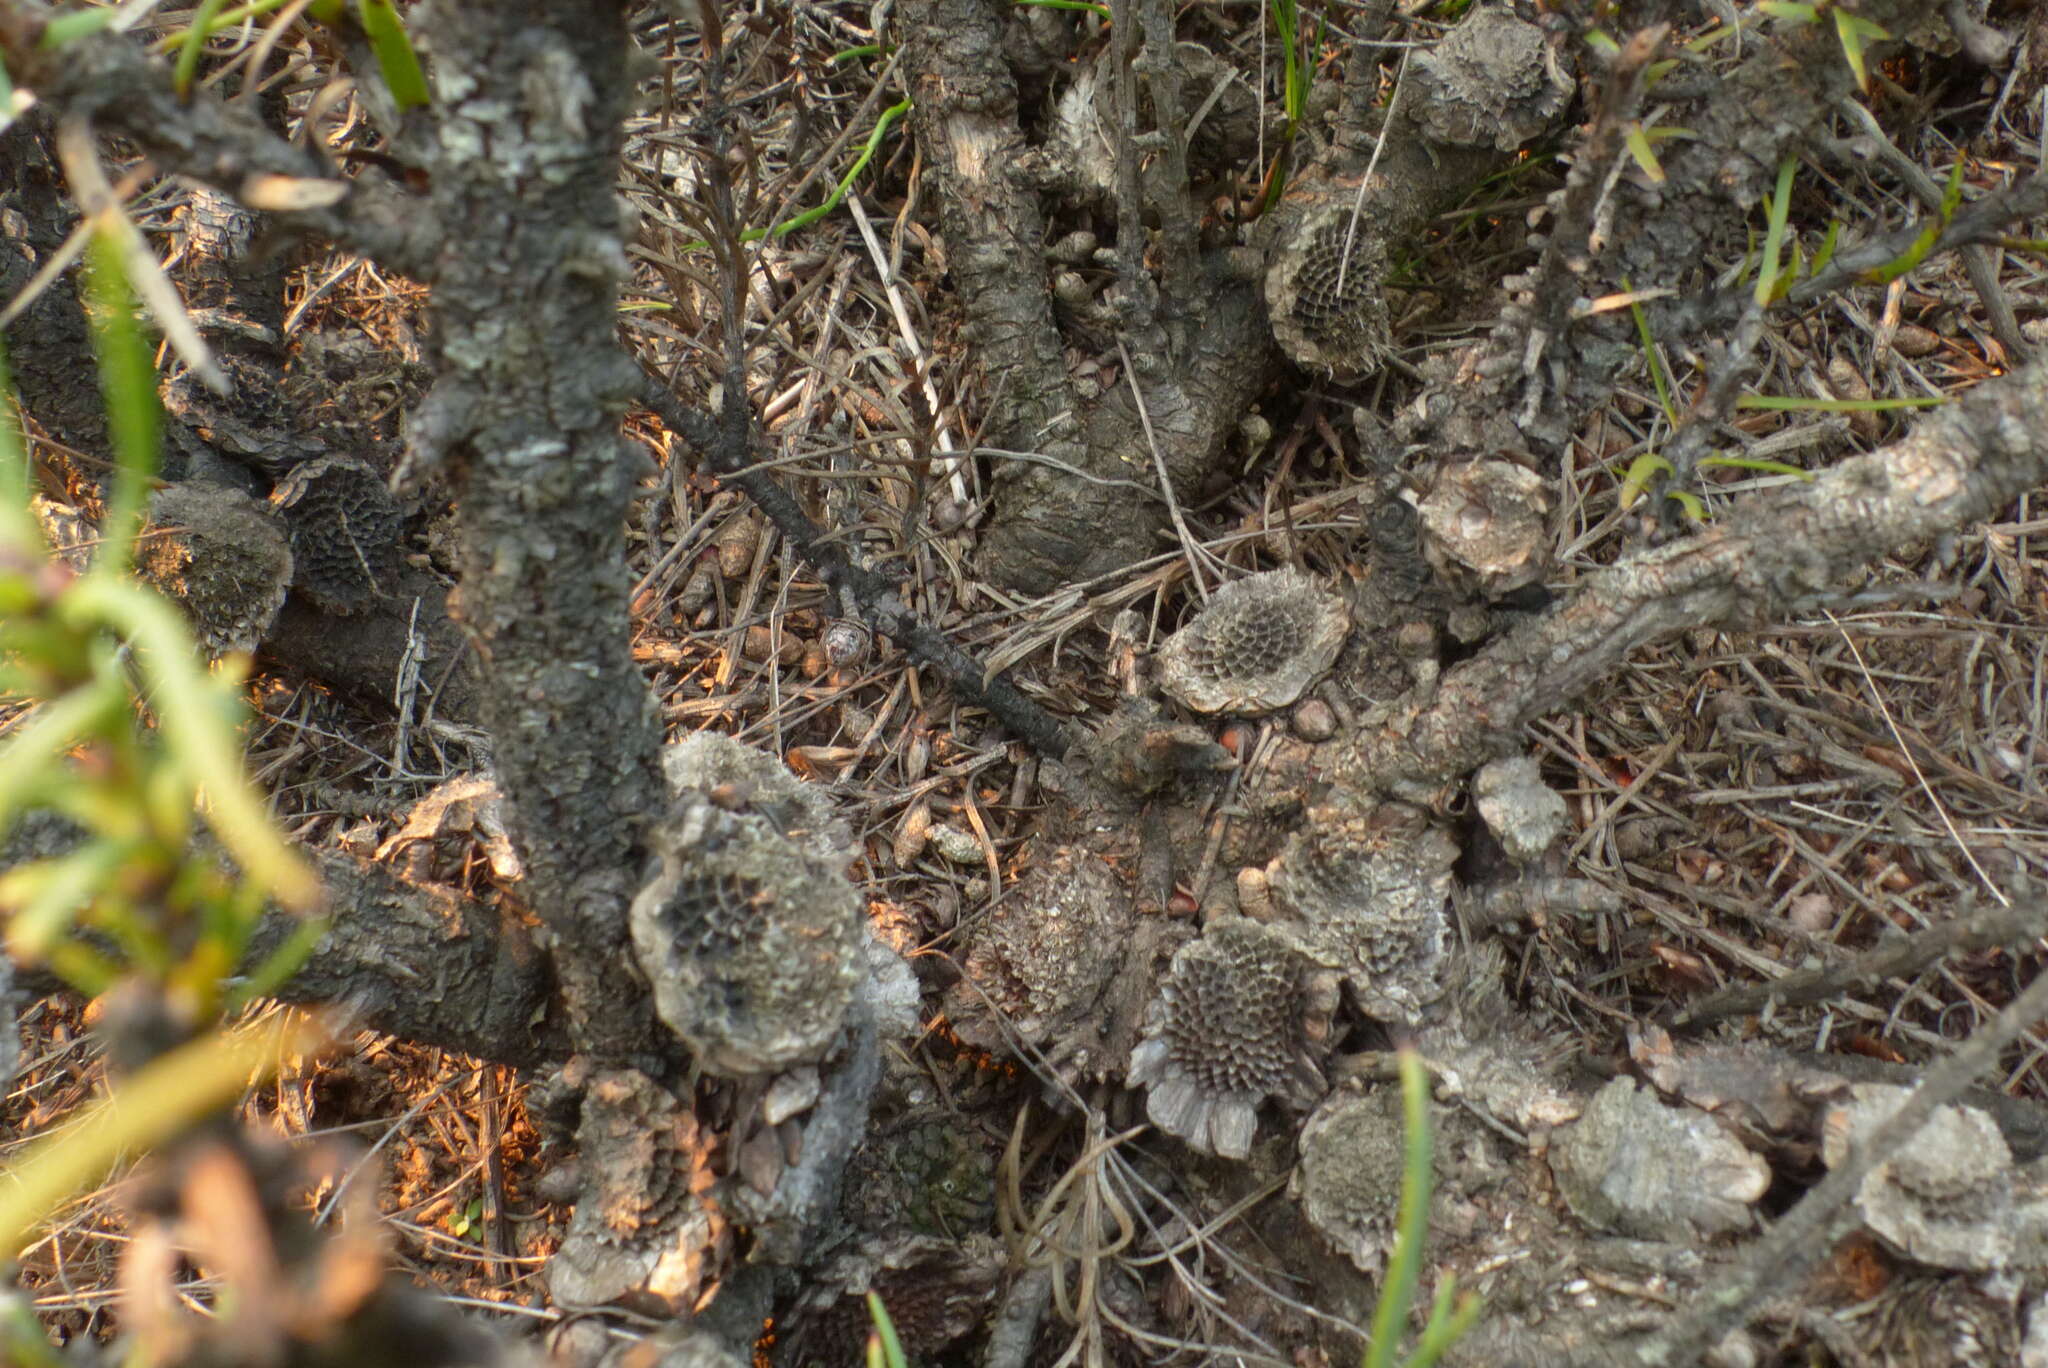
1485	526
344	526
223	556
1349	1182
1494	80
1368	886
1257	646
740	778
753	943
1225	1033
1323	288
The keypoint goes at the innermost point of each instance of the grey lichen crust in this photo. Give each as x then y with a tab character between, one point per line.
1349	1181
1367	887
1951	1196
223	556
1634	1166
1227	1031
1485	526
752	942
1257	646
1494	79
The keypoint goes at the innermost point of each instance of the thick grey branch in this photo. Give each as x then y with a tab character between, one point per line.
1766	558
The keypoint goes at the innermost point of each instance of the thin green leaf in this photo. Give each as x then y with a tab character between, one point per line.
832	201
19	532
45	897
1688	501
1602	42
853	54
128	383
33	747
191	722
1411	1224
193	43
1790	12
1783	403
141	1113
69	28
1646	157
885	1333
396	59
1652	357
1774	233
1822	257
1641	471
1757	463
1854	31
1102	10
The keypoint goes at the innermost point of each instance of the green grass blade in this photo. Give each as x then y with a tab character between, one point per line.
1411	1226
128	383
1757	463
1641	471
396	59
193	43
1786	403
1774	235
1651	357
891	1348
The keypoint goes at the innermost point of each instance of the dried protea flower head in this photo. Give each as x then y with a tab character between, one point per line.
1257	646
753	942
1485	526
345	526
1368	885
1494	80
1228	1030
222	555
1324	281
1349	1181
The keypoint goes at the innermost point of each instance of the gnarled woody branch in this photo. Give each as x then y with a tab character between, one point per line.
1766	559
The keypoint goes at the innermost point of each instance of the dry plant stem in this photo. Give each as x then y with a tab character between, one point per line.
1772	554
110	80
1569	249
1977	260
1726	373
1013	1332
880	606
524	418
1987	928
1808	1232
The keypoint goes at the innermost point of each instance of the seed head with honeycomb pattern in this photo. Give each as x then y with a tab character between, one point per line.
1228	1029
752	942
1368	885
1257	646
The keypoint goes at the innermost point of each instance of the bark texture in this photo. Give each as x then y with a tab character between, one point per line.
524	418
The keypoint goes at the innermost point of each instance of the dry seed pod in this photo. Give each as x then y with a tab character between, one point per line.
1258	645
847	643
1494	80
1226	1032
753	944
1484	527
222	556
344	525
